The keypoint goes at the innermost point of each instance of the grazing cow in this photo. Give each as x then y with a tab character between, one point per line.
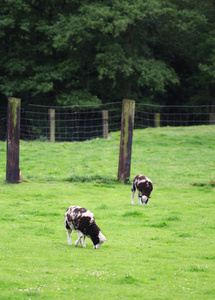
83	222
144	187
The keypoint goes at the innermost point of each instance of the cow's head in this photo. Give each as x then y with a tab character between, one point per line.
101	240
144	200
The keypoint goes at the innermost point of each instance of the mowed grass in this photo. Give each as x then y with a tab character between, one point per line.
165	250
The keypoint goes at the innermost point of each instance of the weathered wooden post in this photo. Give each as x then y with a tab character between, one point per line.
52	124
13	136
212	118
127	126
157	119
105	123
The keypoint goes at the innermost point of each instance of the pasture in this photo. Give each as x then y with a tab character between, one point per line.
164	250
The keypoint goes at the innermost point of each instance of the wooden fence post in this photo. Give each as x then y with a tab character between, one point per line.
127	126
157	119
52	124
13	136
105	123
212	118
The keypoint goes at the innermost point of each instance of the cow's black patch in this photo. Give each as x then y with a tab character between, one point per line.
69	217
79	210
67	225
89	228
95	239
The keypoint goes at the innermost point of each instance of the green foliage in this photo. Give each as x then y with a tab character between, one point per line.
66	52
78	98
163	250
155	74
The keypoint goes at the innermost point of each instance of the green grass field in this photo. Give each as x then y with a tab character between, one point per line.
164	250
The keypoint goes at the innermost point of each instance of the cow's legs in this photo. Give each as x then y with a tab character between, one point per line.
133	190
139	197
69	231
80	235
83	244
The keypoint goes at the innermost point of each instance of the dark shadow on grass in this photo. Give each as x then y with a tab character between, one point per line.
159	225
209	257
209	184
164	224
102	206
197	269
92	178
173	219
133	214
128	279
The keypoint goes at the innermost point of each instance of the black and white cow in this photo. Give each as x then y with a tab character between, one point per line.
83	222
144	187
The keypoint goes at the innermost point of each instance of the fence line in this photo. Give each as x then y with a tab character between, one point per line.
173	115
70	124
78	123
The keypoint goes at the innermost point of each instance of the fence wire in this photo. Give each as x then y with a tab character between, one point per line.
78	123
173	115
71	123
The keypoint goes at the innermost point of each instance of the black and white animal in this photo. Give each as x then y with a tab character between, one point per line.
144	186
83	222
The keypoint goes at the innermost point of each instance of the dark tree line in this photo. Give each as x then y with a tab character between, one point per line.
65	52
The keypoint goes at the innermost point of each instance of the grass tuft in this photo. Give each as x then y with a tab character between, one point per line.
209	257
133	214
209	184
212	182
159	225
173	219
91	178
197	269
103	206
128	279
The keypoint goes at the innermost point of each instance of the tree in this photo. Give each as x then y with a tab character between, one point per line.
110	42
27	58
185	42
83	52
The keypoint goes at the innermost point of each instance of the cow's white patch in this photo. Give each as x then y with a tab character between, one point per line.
102	238
144	199
148	179
141	180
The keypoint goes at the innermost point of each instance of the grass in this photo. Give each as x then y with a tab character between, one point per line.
161	251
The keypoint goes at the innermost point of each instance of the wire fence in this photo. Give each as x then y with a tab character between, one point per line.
145	115
3	123
72	123
78	123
